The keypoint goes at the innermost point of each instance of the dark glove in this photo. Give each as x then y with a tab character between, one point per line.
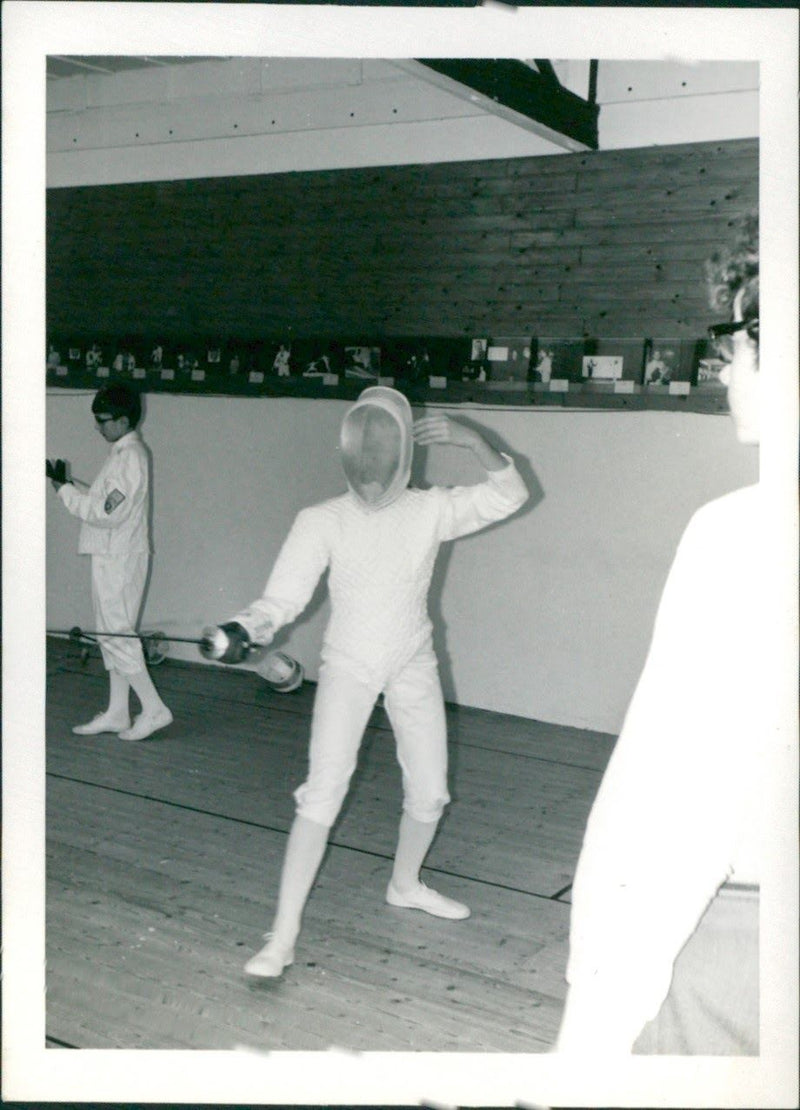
227	643
57	471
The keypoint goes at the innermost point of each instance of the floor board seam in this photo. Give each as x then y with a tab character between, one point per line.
285	832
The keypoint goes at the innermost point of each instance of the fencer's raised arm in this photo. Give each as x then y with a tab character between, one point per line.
439	428
301	561
466	509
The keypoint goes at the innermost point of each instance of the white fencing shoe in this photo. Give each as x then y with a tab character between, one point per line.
103	722
146	724
423	898
270	962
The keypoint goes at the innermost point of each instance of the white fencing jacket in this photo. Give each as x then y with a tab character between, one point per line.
114	509
381	562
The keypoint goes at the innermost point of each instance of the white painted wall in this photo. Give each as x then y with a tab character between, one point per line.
547	615
658	103
274	115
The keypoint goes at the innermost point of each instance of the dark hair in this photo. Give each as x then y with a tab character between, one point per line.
735	267
119	400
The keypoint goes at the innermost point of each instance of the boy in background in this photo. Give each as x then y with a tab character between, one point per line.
114	532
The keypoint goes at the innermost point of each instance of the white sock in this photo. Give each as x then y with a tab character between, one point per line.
118	688
413	842
142	683
304	852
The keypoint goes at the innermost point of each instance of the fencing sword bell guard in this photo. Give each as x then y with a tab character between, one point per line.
281	672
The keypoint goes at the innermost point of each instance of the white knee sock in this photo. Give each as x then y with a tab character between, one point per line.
118	687
413	842
304	852
142	683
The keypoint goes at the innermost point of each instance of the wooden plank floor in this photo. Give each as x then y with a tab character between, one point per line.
163	860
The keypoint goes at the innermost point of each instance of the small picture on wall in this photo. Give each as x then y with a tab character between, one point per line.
411	362
406	360
472	363
558	359
94	356
282	361
613	360
433	356
417	359
320	366
669	360
316	358
363	363
480	348
708	366
541	362
239	357
602	368
186	361
509	358
124	361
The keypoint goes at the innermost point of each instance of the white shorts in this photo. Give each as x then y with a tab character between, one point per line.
118	583
342	707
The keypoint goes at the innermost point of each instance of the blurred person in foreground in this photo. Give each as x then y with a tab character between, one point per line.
664	932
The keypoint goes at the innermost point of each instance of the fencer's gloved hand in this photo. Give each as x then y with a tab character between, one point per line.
57	471
261	628
227	643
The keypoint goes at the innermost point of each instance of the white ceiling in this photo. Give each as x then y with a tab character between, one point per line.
62	65
130	118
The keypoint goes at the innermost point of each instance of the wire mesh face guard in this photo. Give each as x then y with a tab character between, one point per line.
376	447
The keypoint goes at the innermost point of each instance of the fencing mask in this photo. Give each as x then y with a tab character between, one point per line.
376	445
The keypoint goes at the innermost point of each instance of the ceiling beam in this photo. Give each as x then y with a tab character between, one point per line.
515	91
79	64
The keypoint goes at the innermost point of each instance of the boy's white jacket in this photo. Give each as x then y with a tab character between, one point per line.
114	509
380	559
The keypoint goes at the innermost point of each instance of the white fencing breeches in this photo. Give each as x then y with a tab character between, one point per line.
342	707
118	583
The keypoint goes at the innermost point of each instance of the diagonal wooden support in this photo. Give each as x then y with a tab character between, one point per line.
515	91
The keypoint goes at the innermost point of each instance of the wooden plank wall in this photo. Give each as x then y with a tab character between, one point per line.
603	243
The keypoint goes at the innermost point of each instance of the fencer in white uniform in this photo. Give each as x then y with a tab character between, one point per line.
379	541
115	534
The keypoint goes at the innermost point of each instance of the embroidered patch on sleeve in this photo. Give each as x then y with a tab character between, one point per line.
114	499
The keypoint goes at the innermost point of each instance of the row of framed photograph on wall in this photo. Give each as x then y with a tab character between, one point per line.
505	364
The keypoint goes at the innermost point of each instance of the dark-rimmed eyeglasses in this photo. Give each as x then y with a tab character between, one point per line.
721	335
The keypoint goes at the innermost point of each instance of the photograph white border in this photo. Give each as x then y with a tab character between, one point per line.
31	31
